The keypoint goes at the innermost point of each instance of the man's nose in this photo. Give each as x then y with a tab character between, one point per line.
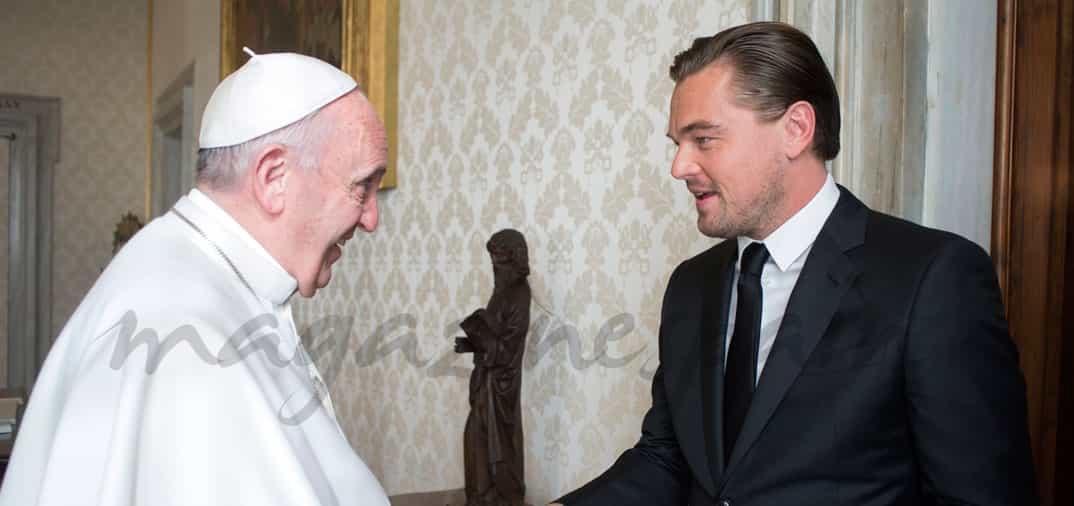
682	165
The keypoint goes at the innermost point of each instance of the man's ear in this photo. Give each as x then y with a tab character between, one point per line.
270	174
799	125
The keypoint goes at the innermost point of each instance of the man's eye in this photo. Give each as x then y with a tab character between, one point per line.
701	141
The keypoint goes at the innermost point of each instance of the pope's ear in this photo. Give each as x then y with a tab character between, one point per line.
270	174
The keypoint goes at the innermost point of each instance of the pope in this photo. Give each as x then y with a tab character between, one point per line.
180	378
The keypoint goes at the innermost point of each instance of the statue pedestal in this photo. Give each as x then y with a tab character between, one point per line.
455	497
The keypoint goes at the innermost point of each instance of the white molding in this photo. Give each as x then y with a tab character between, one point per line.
958	153
880	66
174	150
35	121
764	10
817	18
911	186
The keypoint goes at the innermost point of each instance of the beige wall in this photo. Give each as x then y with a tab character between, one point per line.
548	117
92	55
186	33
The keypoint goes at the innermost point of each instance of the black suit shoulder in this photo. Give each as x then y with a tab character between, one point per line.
903	250
903	240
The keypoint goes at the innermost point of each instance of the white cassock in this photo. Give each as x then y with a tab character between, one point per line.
226	417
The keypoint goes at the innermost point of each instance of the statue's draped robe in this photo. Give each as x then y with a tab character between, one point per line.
219	414
493	436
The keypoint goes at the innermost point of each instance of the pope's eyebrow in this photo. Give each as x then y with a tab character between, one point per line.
377	173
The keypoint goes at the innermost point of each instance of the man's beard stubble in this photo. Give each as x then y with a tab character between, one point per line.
752	219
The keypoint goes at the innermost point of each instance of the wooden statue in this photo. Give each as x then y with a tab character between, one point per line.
496	335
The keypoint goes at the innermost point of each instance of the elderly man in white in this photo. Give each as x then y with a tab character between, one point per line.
180	378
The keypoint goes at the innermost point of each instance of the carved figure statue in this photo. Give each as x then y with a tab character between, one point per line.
128	225
496	335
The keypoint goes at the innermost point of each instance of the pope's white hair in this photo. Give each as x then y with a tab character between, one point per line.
220	168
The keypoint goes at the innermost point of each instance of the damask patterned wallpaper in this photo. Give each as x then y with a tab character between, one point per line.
91	54
545	116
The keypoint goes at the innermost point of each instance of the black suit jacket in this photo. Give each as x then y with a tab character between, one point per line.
893	380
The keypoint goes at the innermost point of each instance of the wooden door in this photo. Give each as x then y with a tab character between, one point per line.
1033	221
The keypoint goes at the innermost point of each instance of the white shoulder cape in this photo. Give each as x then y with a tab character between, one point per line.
216	414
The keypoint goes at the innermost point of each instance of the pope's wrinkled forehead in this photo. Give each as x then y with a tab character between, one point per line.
363	129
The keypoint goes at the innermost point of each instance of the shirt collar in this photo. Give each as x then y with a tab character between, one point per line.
788	242
266	277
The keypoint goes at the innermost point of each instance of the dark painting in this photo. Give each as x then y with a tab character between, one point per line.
310	27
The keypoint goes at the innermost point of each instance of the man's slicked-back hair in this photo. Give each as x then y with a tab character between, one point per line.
775	65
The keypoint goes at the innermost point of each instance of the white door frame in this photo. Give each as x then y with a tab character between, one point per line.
35	124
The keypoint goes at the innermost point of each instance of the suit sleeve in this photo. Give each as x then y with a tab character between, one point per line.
966	393
653	472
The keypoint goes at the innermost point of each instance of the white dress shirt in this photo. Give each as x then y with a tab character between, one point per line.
788	247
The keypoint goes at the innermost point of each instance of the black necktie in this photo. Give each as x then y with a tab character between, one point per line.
741	374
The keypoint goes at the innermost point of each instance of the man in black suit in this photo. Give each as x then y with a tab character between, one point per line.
825	353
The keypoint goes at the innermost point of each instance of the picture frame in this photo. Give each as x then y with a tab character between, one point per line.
359	36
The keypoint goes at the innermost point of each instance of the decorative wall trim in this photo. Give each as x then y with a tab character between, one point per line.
910	187
1003	148
148	110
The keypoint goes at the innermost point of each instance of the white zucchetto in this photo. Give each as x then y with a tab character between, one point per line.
269	92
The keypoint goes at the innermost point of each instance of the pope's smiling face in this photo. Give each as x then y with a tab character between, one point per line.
340	195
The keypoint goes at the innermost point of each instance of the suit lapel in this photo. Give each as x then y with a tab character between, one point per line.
715	303
825	279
